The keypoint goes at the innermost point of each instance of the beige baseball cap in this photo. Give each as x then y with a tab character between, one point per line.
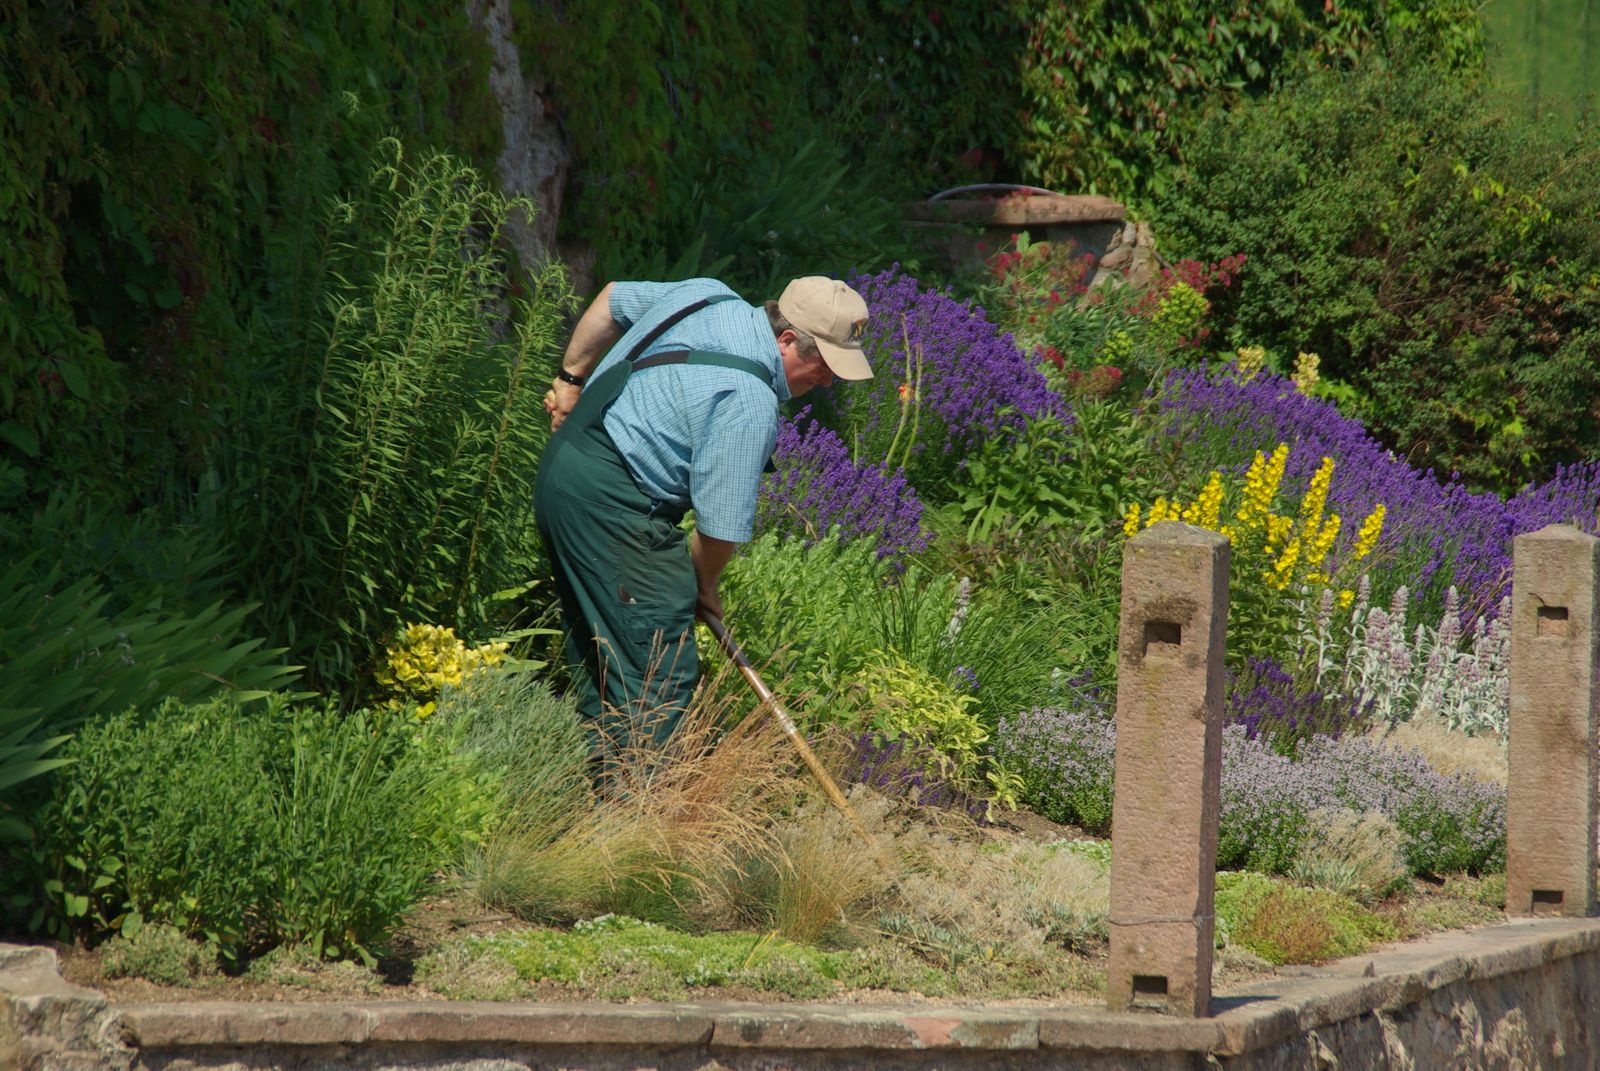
835	316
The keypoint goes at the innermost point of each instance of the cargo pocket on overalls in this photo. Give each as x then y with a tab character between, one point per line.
656	590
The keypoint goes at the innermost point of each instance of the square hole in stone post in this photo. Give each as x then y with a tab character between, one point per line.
1162	637
1552	621
1150	989
1548	901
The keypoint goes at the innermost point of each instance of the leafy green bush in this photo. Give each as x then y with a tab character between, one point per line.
1284	923
1110	88
380	464
158	953
68	657
525	740
1439	257
818	613
288	824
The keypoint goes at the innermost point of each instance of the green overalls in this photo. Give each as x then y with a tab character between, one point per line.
625	581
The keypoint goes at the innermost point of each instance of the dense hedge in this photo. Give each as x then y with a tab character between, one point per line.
153	159
1444	262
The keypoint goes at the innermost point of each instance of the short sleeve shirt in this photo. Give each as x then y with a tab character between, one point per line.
697	435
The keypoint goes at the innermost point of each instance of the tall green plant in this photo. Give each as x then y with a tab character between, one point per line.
820	612
383	462
66	656
290	823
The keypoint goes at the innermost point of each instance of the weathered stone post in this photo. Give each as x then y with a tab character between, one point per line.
1169	768
1550	795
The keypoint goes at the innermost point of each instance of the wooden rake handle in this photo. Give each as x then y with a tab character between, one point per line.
768	699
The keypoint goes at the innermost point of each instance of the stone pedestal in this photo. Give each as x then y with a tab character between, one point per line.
1168	768
1551	796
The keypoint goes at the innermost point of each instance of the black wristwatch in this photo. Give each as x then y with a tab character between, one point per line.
567	377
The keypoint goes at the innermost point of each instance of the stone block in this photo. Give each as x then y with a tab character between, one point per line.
1168	768
1551	793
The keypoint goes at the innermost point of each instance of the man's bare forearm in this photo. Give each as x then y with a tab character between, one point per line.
593	337
711	556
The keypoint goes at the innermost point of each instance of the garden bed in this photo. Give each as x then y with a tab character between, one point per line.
451	946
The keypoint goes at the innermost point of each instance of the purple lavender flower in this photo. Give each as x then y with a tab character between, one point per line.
1448	824
1269	703
817	488
974	383
890	768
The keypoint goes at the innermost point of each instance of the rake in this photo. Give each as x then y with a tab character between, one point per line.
786	722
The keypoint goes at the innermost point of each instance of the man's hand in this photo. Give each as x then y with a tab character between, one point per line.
559	400
709	604
710	558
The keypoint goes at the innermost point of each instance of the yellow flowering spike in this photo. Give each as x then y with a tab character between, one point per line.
1305	372
1316	495
1209	504
1278	528
1130	523
1283	571
1250	360
1371	528
1262	480
1322	544
1253	477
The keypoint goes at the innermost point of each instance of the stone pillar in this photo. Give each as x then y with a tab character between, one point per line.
1550	795
1169	768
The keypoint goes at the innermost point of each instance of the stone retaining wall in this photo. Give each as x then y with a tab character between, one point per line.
1522	995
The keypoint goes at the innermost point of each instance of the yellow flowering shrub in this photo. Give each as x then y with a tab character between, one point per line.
1281	552
1306	372
1249	360
1179	317
426	658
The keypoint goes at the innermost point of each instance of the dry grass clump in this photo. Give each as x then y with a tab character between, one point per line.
1353	854
932	879
667	818
1448	750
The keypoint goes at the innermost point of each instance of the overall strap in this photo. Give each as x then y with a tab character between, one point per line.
708	357
660	328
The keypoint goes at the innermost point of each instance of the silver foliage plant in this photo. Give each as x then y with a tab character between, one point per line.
1373	655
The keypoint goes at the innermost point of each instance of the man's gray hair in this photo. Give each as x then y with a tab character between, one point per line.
780	324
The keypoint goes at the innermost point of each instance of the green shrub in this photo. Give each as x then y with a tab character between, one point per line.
292	823
1110	88
380	463
1440	257
67	657
1284	923
525	740
817	613
158	953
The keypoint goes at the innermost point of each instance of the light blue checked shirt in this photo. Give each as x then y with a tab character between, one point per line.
697	435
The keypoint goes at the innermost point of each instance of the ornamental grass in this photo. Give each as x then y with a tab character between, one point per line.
668	819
